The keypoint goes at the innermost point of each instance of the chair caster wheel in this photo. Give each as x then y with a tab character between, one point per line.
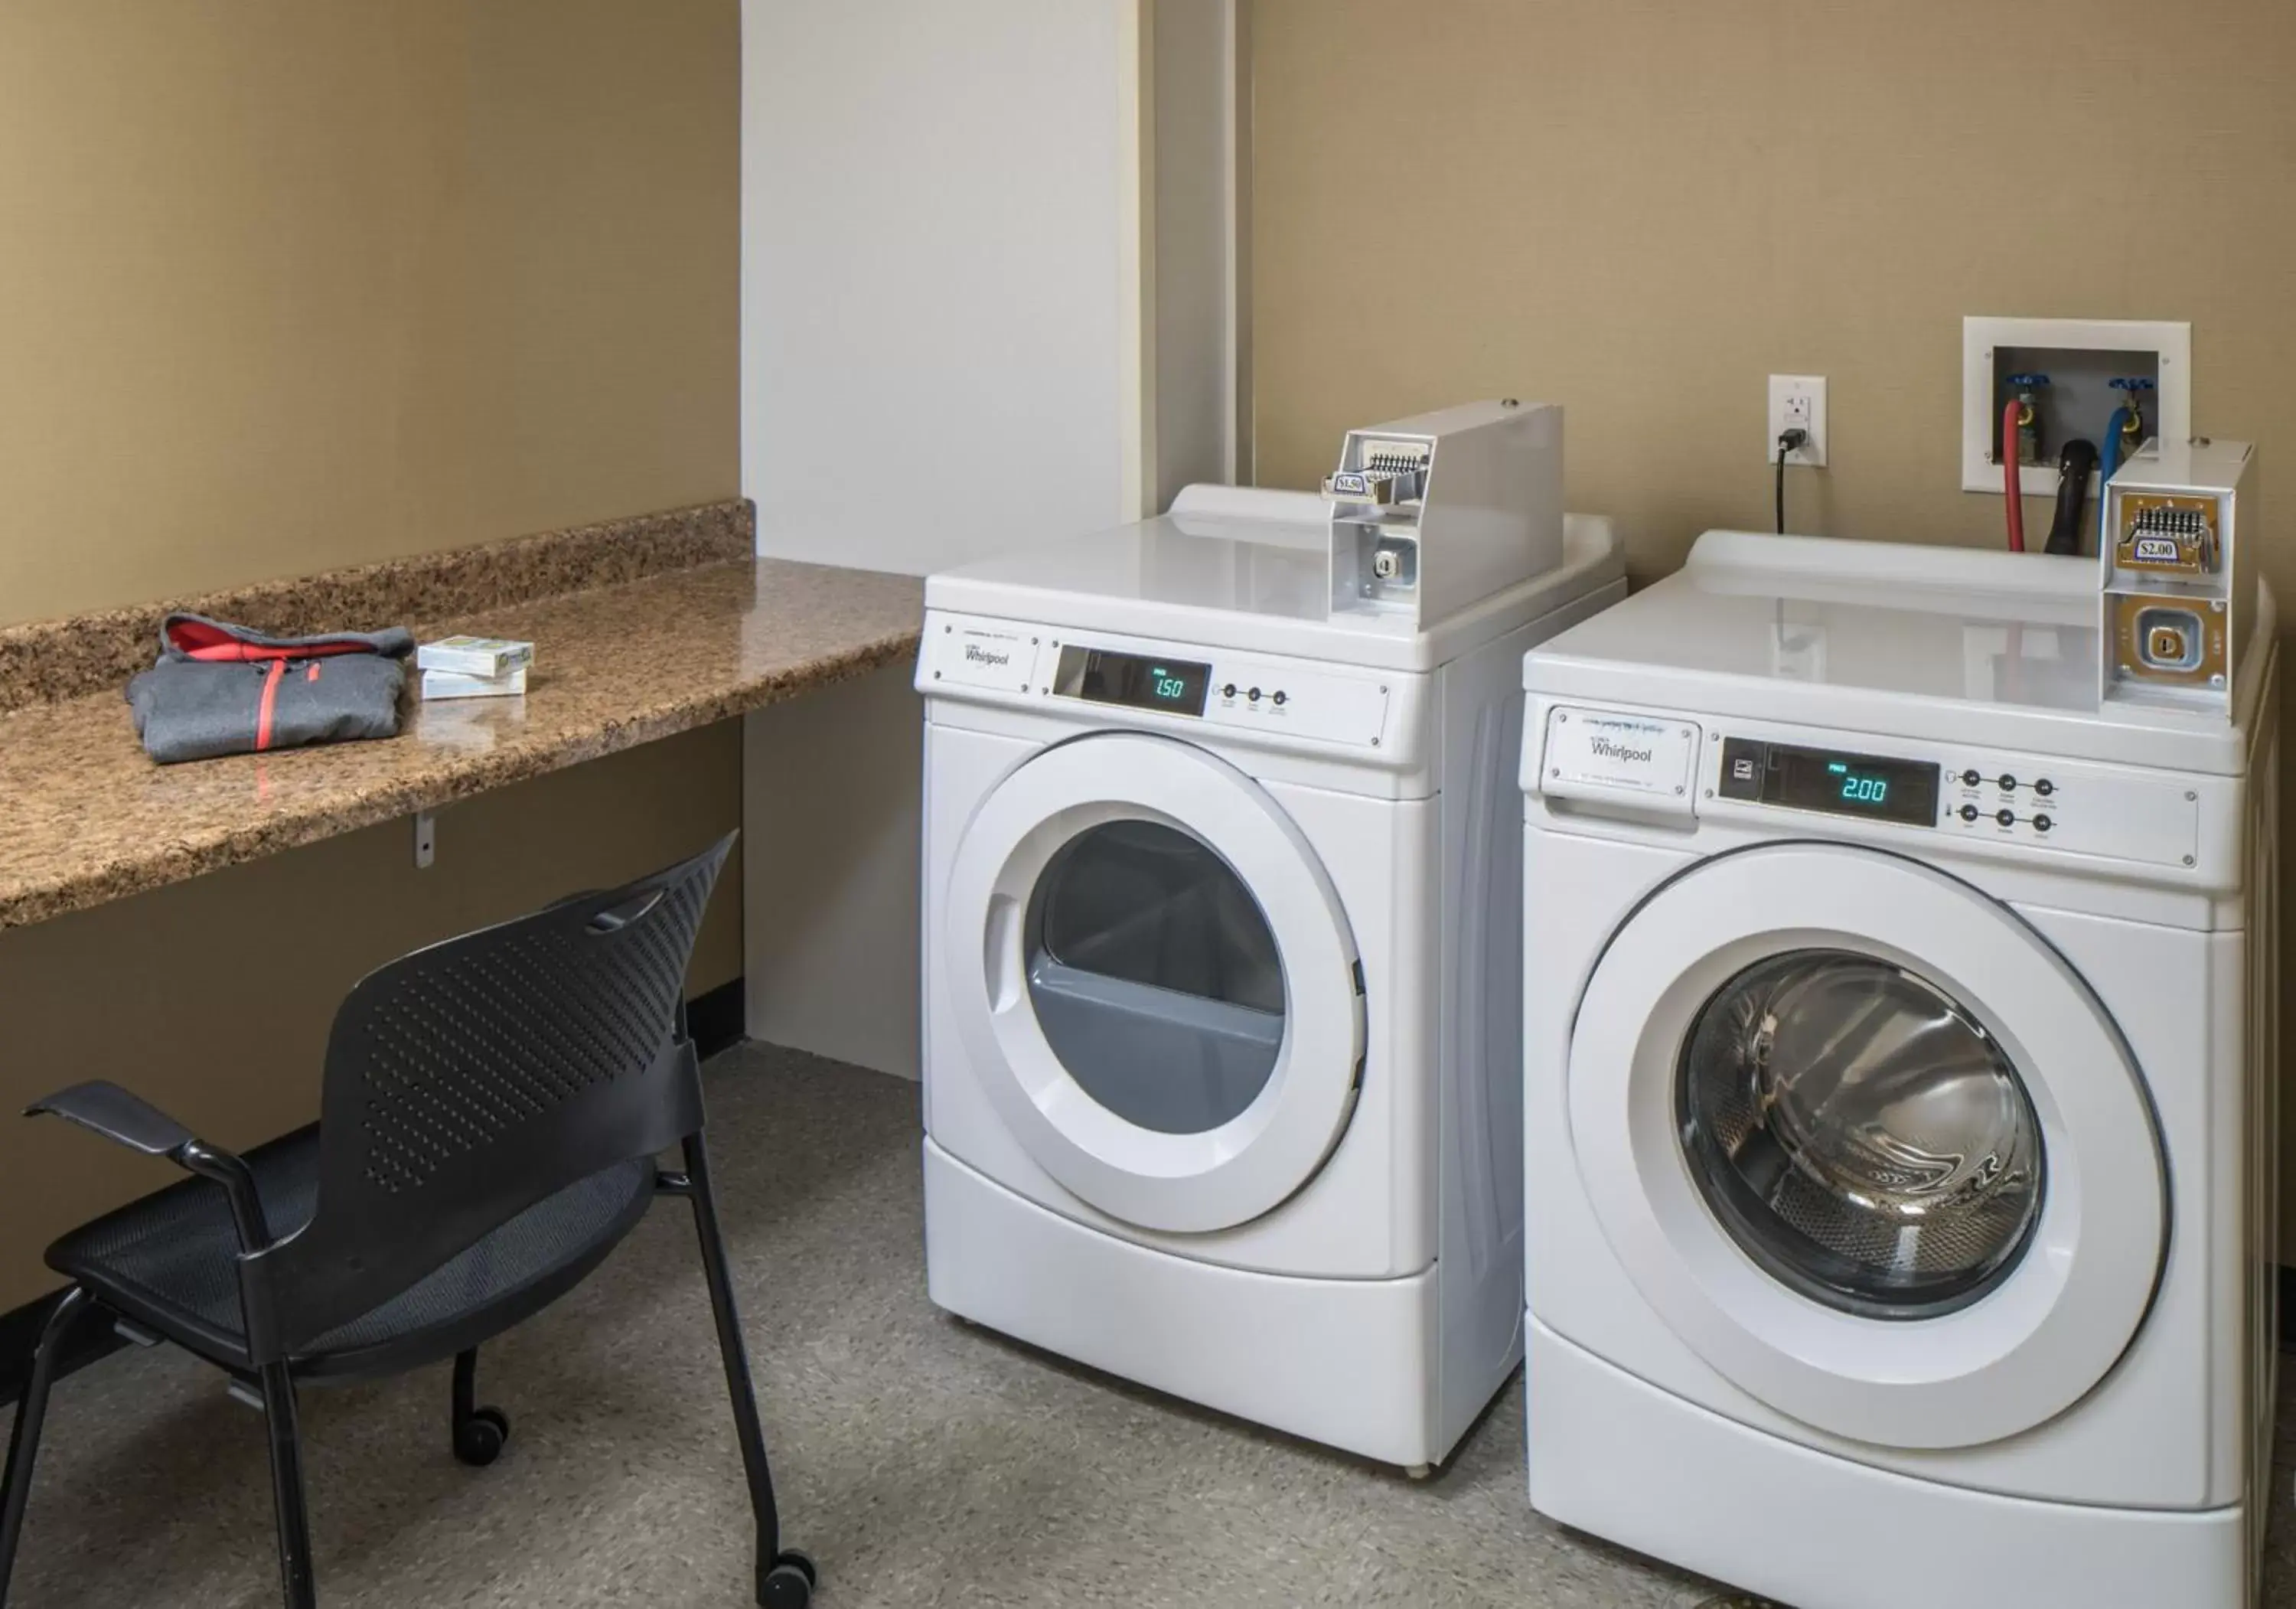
479	1439
788	1583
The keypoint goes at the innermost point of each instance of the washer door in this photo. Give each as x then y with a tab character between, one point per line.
1868	1145
1166	1008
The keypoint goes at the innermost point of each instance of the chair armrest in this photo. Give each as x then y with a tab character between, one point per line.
123	1118
128	1119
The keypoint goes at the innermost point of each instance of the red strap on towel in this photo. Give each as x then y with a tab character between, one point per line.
270	702
203	642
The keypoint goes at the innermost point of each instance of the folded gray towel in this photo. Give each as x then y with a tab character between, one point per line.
222	689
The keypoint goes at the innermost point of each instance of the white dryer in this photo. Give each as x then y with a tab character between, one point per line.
1900	1088
1222	950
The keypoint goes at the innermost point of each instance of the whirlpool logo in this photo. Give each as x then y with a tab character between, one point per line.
975	654
1610	748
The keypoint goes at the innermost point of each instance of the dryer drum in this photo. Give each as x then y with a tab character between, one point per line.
1860	1134
1155	977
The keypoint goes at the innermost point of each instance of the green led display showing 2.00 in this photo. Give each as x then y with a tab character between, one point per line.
1876	787
1857	789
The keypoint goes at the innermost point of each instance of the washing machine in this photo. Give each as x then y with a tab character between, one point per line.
1899	1091
1222	1038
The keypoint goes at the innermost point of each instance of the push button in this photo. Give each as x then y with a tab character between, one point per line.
1745	761
2042	824
2045	787
1969	812
1282	697
2008	782
1253	695
1970	778
2008	818
1228	691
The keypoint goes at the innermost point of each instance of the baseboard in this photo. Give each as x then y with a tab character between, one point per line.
717	1019
714	1018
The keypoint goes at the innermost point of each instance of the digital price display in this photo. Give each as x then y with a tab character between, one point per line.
1139	681
1903	790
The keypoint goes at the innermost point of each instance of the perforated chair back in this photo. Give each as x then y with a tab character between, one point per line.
470	1080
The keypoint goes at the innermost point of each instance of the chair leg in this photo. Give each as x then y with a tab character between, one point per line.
298	1588
62	1324
479	1433
785	1577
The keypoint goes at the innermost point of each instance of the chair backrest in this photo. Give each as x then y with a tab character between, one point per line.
472	1078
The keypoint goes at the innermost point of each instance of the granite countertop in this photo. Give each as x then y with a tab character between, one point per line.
85	817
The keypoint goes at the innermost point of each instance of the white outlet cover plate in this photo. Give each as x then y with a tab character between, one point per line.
2172	403
1784	387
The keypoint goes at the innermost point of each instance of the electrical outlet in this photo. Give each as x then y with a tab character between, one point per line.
1798	402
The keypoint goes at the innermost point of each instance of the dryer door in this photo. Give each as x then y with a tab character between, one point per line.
1868	1144
1167	1009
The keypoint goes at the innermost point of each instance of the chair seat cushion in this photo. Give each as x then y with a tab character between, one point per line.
169	1263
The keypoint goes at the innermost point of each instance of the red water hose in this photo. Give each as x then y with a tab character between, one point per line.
2013	486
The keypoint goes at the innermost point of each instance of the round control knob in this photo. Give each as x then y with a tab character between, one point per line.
1228	691
2008	782
2045	787
2042	824
1969	812
1970	778
1253	695
2008	818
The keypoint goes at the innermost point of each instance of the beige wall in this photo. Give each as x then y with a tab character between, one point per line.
1589	201
1640	208
292	283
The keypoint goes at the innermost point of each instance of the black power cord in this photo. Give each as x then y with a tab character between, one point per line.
1788	441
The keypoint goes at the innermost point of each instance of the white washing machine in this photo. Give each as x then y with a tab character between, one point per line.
1222	944
1900	1093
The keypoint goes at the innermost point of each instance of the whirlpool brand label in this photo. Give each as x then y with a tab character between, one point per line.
1595	753
984	656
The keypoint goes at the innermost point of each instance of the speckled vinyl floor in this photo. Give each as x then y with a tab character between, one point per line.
922	1461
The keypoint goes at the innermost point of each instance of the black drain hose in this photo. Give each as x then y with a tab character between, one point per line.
2074	464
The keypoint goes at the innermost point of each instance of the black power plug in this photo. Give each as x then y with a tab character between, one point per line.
1790	440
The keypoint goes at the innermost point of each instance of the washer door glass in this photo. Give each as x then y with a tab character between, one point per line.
1860	1134
1154	977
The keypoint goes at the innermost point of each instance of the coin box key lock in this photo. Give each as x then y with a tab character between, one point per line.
2171	638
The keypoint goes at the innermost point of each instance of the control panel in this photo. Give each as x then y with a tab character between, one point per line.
1274	697
1973	794
1769	780
1284	696
2005	802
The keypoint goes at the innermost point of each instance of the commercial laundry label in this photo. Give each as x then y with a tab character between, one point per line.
978	654
1597	753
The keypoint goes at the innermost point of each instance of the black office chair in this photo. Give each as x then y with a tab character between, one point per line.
491	1111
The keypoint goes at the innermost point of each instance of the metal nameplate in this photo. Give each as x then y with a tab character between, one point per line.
978	655
1601	754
